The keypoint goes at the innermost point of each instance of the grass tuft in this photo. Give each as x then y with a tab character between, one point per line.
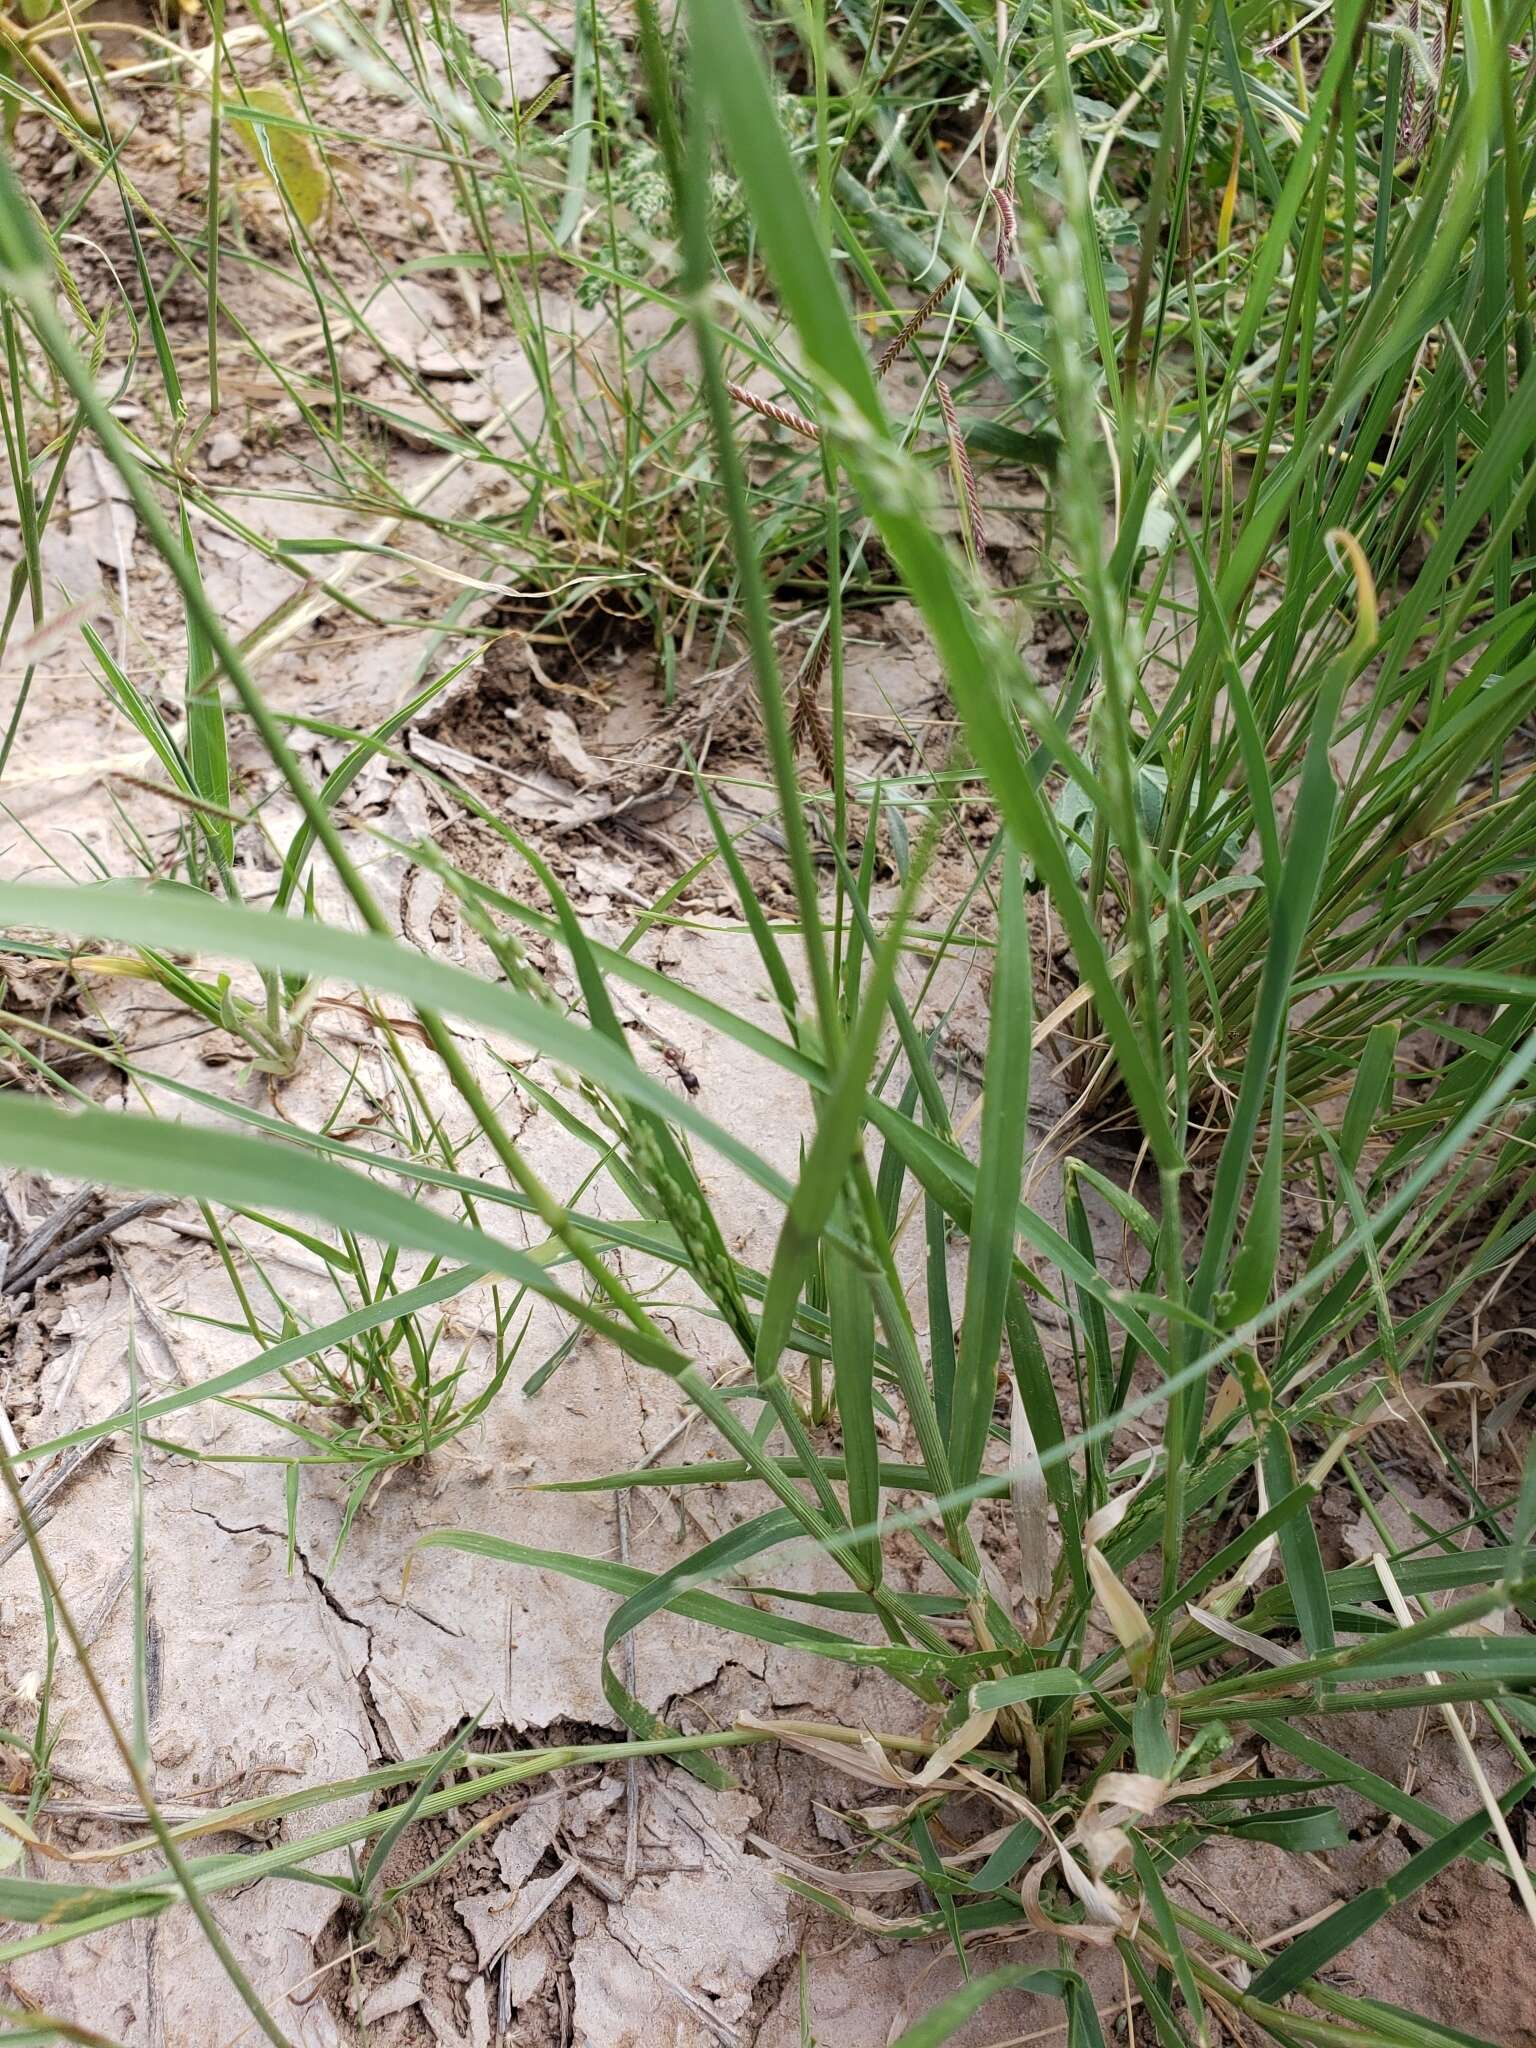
1204	337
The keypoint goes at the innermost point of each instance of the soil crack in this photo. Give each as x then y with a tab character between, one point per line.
317	1582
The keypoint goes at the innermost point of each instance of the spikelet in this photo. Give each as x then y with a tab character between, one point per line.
807	726
959	456
914	323
796	422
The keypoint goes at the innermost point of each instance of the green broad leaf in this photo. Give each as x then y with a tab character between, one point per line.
1124	1204
1155	1753
1076	810
1056	1683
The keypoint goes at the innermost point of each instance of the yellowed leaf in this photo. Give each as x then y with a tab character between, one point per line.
291	156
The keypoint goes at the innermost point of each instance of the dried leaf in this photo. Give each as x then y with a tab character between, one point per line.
891	1878
1241	1638
971	1734
1030	1500
1132	1630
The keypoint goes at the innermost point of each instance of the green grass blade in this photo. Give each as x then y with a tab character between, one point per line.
105	1148
1004	1132
1313	1951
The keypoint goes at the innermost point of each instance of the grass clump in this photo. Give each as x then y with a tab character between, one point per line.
1246	303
